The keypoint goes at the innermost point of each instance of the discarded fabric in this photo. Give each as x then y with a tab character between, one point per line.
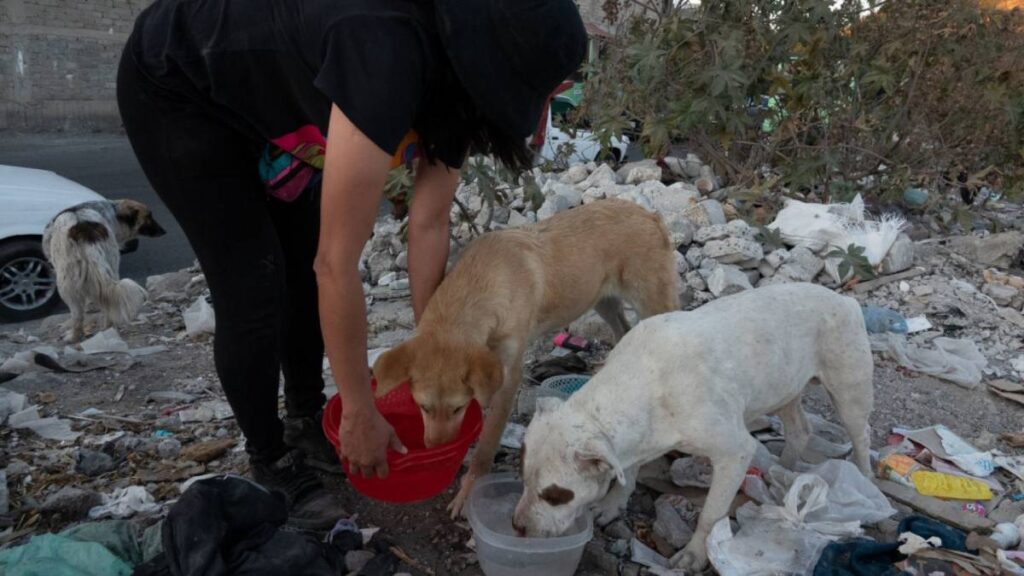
957	361
125	502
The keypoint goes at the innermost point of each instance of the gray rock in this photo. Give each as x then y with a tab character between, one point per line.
681	266
734	250
553	205
515	219
900	256
706	213
575	174
680	229
694	280
170	286
923	290
802	265
638	198
692	166
17	468
753	275
379	264
400	284
766	270
595	556
618	529
556	188
5	504
168	448
677	166
671	201
741	229
675	519
694	256
602	176
726	280
775	258
1001	294
713	232
623	172
356	559
619	547
387	279
402	260
92	463
71	503
643	174
1001	250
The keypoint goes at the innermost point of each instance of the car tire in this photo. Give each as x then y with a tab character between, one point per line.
28	285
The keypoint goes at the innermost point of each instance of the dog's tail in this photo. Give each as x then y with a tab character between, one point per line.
122	300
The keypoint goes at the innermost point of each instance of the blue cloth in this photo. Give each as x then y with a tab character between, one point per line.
862	557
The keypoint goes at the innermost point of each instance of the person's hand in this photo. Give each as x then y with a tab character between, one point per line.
365	438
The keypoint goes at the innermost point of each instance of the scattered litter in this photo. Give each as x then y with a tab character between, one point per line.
10	403
162	433
898	468
93	463
645	556
945	444
848	496
879	320
1012	464
169	396
105	342
918	324
199	318
911	543
147	350
949	486
945	467
692	471
58	555
1006	534
51	428
5	504
675	519
570	342
957	361
206	412
837	225
125	502
512	436
1006	389
976	508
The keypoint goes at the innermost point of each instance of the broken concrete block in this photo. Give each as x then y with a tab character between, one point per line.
695	280
575	174
692	166
170	286
638	198
556	188
1001	250
675	519
553	205
741	229
694	256
734	250
1001	294
706	213
677	166
402	260
515	219
900	256
643	174
713	232
625	169
727	279
680	229
379	263
775	258
681	266
602	176
387	279
802	265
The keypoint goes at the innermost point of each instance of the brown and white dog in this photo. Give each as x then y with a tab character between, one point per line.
511	286
83	243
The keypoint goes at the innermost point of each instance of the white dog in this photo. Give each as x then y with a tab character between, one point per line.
690	381
84	243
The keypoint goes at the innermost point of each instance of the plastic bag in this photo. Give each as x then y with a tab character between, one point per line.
199	318
957	361
850	497
837	225
777	540
879	320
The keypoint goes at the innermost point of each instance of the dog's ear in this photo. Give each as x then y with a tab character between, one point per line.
484	374
547	404
128	213
392	367
596	458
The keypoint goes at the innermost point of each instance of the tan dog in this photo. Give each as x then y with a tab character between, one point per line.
511	286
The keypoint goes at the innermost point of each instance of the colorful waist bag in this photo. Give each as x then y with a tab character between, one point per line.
288	174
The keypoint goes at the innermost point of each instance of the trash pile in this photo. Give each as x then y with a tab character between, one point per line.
100	441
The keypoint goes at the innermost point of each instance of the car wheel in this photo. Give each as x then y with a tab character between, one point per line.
28	286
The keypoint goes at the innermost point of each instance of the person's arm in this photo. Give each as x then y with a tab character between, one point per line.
355	170
428	230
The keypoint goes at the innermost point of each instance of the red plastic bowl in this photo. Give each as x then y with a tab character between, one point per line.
423	472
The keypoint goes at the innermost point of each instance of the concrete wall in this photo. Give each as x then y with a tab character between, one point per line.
58	62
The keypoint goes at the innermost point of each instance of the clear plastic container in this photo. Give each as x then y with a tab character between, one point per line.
502	552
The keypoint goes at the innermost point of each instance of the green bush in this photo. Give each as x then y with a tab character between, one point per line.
866	98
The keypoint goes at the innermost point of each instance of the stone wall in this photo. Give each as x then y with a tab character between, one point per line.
58	62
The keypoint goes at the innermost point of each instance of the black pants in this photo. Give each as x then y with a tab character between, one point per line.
256	252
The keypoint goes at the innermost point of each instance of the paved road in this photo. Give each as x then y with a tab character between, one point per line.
105	163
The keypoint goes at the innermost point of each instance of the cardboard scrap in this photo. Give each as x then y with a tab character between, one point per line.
947	512
1009	390
945	444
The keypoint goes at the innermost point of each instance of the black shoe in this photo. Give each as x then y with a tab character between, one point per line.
310	505
307	434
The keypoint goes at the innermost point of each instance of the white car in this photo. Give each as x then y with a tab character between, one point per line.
29	199
578	146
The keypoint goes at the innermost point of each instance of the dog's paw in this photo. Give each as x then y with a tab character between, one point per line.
457	507
692	559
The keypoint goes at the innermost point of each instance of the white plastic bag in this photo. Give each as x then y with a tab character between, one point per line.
958	361
850	497
777	540
199	318
837	225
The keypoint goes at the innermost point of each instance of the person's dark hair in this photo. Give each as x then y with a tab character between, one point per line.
454	120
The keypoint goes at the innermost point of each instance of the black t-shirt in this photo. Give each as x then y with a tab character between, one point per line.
271	68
